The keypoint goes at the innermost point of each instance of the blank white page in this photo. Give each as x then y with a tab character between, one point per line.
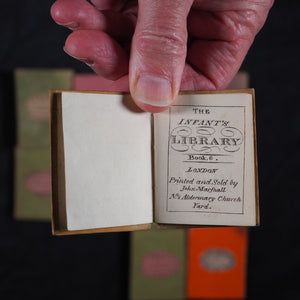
107	150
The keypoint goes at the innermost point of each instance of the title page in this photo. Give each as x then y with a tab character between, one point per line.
205	161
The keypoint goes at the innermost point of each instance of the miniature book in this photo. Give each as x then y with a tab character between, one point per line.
217	263
32	184
157	264
32	188
116	168
32	88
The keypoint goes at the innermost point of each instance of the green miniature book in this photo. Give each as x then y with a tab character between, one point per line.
32	102
32	156
32	184
157	266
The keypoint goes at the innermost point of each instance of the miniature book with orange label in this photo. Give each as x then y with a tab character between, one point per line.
217	259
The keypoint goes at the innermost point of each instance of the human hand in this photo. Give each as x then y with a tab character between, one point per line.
154	48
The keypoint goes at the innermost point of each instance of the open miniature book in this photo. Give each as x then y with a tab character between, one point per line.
116	168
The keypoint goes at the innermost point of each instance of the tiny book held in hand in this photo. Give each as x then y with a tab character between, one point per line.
117	168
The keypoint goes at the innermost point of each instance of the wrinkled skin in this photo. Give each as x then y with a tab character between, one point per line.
154	48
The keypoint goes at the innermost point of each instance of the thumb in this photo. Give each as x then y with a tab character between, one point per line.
158	53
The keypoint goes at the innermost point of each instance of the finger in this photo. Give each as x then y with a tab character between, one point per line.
193	80
76	14
120	85
158	53
118	25
217	61
224	25
99	51
79	14
233	5
115	5
227	20
215	26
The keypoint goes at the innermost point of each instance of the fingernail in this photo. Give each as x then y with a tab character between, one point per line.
87	61
152	90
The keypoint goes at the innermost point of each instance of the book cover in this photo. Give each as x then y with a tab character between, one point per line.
32	188
158	264
32	88
32	184
240	81
217	263
91	82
